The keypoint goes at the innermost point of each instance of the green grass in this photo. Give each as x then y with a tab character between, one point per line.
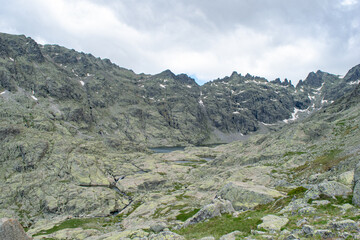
220	226
297	191
289	154
184	215
84	223
88	223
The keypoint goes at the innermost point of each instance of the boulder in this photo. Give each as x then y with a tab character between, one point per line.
346	178
327	188
356	194
332	189
166	235
214	209
158	227
344	225
244	196
308	230
11	229
231	236
273	223
324	234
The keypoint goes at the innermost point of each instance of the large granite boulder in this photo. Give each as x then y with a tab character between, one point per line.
245	196
356	194
11	229
217	208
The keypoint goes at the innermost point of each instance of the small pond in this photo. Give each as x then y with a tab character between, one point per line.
167	149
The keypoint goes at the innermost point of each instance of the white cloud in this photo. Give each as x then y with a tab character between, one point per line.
201	38
349	2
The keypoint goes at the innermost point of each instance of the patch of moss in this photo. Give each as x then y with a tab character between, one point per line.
297	191
220	226
184	215
84	223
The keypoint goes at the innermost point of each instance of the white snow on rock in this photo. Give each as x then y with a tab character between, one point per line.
82	83
267	124
311	97
201	102
33	97
294	115
88	74
3	92
354	82
318	89
163	86
188	86
11	59
236	112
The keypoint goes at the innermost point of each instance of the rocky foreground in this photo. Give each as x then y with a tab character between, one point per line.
75	163
297	183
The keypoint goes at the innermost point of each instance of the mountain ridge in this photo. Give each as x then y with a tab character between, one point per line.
115	101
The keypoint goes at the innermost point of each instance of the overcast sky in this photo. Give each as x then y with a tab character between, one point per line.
207	39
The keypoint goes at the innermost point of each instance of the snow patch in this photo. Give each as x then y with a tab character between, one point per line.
354	82
318	89
323	101
311	97
88	74
201	103
267	124
295	115
188	86
236	112
33	97
82	83
11	59
163	86
3	92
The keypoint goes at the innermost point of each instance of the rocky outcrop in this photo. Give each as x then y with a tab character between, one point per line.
165	236
11	229
328	188
215	209
272	222
246	196
356	195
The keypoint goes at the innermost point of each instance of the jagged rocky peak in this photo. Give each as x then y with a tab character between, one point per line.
285	83
314	79
353	75
14	46
181	78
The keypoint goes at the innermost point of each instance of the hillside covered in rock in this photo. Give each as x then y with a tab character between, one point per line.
75	164
88	95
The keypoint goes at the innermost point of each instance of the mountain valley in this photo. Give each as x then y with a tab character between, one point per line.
261	160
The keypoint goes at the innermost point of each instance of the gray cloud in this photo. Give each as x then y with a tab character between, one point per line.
208	39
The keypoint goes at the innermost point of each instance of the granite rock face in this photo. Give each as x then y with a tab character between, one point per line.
244	196
356	195
11	229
